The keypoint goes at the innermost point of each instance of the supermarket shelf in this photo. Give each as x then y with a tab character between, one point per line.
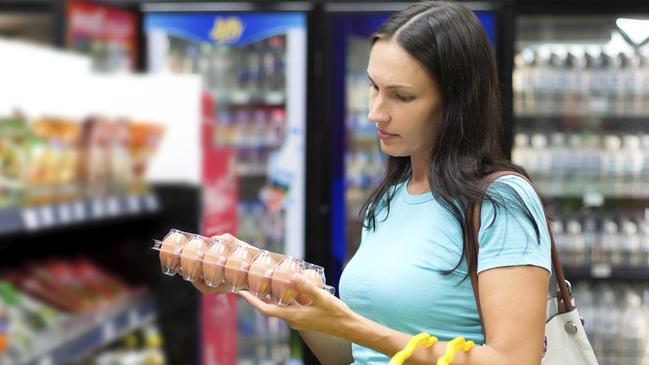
240	97
608	121
251	170
30	219
606	271
88	334
592	191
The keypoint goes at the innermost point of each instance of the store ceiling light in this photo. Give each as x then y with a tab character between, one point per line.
637	30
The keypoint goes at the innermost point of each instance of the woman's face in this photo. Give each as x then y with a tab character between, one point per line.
405	104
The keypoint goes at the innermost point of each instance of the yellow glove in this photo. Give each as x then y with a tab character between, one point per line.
421	339
456	344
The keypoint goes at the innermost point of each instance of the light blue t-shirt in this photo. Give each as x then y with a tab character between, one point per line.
395	278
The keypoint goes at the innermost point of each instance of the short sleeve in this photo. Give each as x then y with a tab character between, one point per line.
507	236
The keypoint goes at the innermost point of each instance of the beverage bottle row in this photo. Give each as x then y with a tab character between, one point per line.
364	169
581	81
357	94
602	239
265	340
263	228
252	131
258	67
616	320
360	128
617	163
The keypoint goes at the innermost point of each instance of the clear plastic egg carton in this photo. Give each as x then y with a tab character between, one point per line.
235	267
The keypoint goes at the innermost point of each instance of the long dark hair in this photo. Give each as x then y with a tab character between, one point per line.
449	41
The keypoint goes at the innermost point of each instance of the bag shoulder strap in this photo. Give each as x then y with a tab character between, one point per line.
563	293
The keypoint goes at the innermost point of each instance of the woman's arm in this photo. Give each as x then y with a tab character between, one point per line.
330	350
512	299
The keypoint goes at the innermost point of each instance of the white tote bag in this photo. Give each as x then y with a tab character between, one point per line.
565	338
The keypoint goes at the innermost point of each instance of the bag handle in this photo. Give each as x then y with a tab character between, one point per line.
563	293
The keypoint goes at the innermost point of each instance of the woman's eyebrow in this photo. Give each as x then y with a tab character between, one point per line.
395	86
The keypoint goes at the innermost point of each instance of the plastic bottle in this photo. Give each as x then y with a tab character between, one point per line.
560	162
609	322
570	93
521	150
644	170
630	243
643	236
591	237
622	63
518	83
632	164
610	161
575	244
634	329
534	77
541	159
611	252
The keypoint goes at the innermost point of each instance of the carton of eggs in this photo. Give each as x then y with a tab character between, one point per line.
236	266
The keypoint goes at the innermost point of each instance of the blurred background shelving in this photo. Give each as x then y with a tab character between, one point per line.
580	93
263	110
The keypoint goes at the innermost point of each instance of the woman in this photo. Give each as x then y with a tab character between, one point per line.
435	103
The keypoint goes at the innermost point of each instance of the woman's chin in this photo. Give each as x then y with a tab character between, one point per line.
392	152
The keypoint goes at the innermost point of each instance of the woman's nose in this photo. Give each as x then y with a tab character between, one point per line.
377	113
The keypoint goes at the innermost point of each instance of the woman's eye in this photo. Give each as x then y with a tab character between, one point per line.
403	98
374	87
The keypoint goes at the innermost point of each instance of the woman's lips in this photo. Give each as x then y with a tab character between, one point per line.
384	135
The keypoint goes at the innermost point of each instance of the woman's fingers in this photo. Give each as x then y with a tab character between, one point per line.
267	309
308	292
204	289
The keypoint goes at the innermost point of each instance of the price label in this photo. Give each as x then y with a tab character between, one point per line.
151	202
65	213
108	331
47	360
133	318
593	199
30	218
112	205
133	204
79	211
47	216
98	209
600	271
274	98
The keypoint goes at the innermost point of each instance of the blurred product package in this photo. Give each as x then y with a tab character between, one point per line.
51	160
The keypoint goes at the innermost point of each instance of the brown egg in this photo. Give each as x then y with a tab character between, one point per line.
237	265
282	284
214	263
316	279
259	275
170	252
191	256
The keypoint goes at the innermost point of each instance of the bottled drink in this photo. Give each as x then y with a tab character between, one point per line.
634	329
575	244
630	243
609	322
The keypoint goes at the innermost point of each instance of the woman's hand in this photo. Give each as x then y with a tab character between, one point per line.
316	310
